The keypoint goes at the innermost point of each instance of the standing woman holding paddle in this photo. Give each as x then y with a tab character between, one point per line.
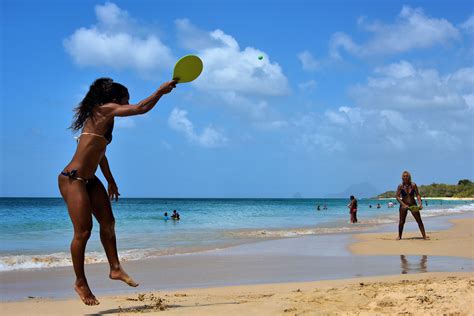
406	194
82	191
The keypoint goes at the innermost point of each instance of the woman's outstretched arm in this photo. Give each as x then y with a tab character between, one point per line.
143	106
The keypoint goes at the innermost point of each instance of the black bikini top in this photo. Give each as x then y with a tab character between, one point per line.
404	193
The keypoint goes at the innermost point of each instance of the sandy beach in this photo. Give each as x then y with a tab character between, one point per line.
419	294
396	284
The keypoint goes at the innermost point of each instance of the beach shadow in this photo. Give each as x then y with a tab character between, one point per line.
150	308
420	267
132	309
203	305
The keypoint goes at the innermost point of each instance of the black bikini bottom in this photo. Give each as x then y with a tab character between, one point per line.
73	175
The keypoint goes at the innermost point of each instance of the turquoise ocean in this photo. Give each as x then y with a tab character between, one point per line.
36	232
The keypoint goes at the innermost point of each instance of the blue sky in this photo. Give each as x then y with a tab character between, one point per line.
348	92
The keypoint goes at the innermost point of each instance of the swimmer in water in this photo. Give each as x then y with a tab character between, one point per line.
175	216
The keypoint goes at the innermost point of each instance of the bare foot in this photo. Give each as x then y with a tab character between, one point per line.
119	274
85	293
399	238
426	238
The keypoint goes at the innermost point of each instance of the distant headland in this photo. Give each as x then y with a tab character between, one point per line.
463	189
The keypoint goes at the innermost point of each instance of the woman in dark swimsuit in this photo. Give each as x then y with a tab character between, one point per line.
82	191
406	193
353	209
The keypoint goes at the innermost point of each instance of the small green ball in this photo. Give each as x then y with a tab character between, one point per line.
260	57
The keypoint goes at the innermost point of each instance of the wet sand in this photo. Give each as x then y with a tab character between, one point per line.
456	241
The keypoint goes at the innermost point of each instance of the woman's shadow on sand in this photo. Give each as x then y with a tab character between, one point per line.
150	308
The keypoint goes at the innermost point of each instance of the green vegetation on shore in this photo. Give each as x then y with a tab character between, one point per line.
464	189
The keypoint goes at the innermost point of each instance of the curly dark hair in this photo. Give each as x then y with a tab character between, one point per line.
102	91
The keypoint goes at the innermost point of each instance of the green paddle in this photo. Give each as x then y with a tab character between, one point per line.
187	69
414	208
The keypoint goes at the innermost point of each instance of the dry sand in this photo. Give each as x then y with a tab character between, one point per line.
417	294
450	293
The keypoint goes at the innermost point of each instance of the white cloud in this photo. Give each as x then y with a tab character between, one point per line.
468	25
110	16
272	125
319	141
341	40
359	130
308	62
308	85
228	68
336	117
395	121
235	76
401	86
178	120
412	29
399	70
401	109
115	42
443	137
193	38
345	115
395	142
256	110
469	99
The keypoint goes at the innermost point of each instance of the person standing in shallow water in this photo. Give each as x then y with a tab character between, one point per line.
82	191
406	194
353	209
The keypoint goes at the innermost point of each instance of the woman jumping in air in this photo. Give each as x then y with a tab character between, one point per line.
82	191
406	194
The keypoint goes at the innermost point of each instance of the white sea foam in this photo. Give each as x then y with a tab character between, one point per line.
62	259
459	209
279	233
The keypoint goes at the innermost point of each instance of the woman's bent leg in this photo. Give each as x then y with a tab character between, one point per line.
417	217
102	211
77	200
